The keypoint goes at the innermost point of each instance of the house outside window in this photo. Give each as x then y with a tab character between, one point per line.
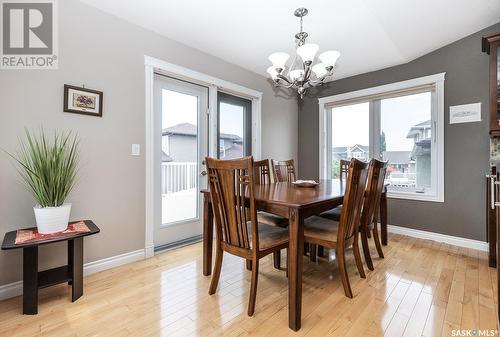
401	123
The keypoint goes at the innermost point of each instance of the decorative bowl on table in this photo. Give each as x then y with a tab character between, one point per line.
305	183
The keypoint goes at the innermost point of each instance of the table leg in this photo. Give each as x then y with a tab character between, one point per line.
30	280
295	251
383	218
70	260
76	267
208	234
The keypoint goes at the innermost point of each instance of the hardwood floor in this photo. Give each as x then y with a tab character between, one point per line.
421	288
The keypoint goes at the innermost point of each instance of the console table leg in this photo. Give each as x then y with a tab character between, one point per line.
70	260
76	267
30	280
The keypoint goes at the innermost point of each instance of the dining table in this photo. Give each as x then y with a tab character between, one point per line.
296	204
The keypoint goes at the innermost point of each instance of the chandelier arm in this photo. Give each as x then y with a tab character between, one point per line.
286	86
281	77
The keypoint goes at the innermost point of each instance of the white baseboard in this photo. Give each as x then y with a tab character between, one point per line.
16	288
452	240
113	261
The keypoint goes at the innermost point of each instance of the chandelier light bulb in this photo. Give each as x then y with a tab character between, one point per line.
319	70
307	52
296	75
272	72
329	57
279	60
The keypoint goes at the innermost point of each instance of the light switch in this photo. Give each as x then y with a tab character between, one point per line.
136	149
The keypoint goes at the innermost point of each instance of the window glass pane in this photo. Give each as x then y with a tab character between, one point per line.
350	134
406	141
231	131
179	165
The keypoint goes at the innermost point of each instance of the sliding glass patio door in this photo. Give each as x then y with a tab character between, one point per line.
181	146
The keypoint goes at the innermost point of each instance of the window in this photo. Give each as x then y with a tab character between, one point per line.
349	142
401	123
234	127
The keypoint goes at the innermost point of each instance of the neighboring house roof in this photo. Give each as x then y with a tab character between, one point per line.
417	128
397	157
188	129
235	151
344	149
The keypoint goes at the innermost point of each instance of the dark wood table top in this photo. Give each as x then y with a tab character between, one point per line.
286	194
9	240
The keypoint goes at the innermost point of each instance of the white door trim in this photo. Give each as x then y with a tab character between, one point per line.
153	64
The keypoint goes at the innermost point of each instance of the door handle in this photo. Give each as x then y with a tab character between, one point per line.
203	173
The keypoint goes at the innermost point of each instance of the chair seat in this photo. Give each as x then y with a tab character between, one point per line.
270	236
333	214
321	231
271	219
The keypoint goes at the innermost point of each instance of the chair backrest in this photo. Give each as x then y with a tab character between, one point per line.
283	170
231	189
373	191
262	173
353	200
344	168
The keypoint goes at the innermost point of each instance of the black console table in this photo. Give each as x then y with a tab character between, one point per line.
34	280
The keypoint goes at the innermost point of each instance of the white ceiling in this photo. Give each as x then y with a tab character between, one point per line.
370	34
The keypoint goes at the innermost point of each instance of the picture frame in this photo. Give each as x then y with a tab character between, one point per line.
83	101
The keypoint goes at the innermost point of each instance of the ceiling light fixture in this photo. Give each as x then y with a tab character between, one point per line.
302	74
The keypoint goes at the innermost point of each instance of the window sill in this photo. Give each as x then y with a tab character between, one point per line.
415	196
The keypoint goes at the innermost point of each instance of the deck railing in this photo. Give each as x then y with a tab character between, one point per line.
178	176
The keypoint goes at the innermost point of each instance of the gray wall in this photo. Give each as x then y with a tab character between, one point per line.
107	53
466	145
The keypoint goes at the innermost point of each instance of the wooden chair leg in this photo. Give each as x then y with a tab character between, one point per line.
366	248
253	287
321	251
277	259
249	264
343	272
217	268
306	248
378	244
357	257
312	252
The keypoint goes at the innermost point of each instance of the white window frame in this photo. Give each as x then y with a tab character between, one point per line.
152	65
437	120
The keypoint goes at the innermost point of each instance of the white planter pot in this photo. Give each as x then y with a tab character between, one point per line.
52	219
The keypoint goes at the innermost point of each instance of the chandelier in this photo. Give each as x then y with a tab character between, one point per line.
301	73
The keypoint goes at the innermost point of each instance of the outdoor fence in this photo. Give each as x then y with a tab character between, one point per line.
178	176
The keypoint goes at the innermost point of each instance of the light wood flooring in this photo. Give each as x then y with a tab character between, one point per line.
421	288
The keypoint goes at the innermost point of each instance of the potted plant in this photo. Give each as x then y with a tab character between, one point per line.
48	169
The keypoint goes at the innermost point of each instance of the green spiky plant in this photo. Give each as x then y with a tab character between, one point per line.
48	167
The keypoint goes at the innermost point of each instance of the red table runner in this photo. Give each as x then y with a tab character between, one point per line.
32	235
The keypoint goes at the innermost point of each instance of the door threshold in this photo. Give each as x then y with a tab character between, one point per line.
178	244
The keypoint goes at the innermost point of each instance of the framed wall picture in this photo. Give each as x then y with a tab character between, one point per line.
82	101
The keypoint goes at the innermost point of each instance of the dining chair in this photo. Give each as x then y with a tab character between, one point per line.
368	223
283	170
343	234
343	168
334	213
237	230
262	174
